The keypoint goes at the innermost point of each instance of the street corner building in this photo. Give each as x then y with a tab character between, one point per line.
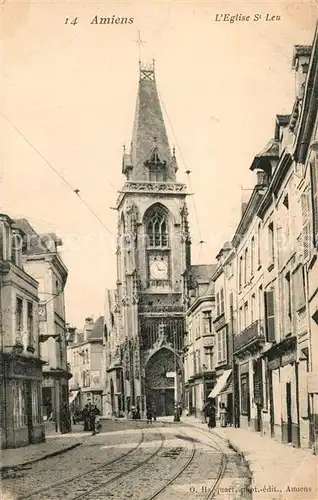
144	316
20	363
199	338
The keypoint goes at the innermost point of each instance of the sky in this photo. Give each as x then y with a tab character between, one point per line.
68	96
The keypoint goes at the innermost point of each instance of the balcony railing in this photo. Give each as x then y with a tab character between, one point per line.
251	335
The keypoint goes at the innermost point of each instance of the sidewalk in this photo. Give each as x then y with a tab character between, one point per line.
279	471
55	444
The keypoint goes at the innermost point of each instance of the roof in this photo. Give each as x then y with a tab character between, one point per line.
97	331
226	246
283	120
35	242
203	272
149	130
301	50
270	152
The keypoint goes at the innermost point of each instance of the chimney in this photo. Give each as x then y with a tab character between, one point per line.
300	65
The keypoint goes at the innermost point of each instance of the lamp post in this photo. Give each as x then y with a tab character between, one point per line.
204	369
176	417
234	416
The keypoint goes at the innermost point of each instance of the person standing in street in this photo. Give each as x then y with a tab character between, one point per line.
211	411
149	415
94	413
223	415
85	414
153	409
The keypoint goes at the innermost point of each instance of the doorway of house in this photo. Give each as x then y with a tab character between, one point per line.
289	412
229	406
28	401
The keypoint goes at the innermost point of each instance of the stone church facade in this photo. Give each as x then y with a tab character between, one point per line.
144	316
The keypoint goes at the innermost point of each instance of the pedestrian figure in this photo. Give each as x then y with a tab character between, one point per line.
223	415
211	416
94	413
133	413
73	415
153	409
180	409
138	412
149	415
85	414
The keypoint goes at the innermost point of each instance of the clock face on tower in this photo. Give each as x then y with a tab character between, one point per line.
158	267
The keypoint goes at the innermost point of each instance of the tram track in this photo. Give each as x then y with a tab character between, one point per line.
124	473
112	478
214	489
176	476
79	476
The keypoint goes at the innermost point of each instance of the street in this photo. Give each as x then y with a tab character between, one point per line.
137	461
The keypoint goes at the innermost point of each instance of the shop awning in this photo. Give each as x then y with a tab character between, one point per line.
72	396
221	383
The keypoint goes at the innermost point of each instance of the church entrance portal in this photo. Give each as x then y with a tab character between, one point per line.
159	387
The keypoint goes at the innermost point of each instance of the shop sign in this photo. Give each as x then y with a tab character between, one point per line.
288	358
274	364
24	369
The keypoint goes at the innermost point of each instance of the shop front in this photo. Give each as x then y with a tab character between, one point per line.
283	383
21	401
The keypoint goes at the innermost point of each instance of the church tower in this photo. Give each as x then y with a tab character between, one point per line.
153	253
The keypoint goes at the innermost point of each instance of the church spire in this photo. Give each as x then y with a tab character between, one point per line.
150	148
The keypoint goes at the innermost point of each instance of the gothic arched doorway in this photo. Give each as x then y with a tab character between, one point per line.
160	388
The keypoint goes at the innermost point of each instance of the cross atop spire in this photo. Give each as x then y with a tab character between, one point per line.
140	44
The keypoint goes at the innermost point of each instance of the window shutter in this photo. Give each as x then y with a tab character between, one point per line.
314	191
299	289
270	316
306	225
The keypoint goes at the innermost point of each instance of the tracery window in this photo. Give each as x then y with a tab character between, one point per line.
157	230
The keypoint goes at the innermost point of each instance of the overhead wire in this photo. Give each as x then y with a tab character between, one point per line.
187	172
66	182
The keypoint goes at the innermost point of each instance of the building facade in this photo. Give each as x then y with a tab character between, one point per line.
21	367
305	63
224	284
85	355
249	340
198	348
153	254
43	261
274	311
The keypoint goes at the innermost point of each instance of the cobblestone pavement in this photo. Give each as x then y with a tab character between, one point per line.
138	462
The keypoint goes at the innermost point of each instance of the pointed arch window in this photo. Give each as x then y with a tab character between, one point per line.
157	230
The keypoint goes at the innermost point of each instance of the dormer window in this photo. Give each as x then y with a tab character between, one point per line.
156	166
16	249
